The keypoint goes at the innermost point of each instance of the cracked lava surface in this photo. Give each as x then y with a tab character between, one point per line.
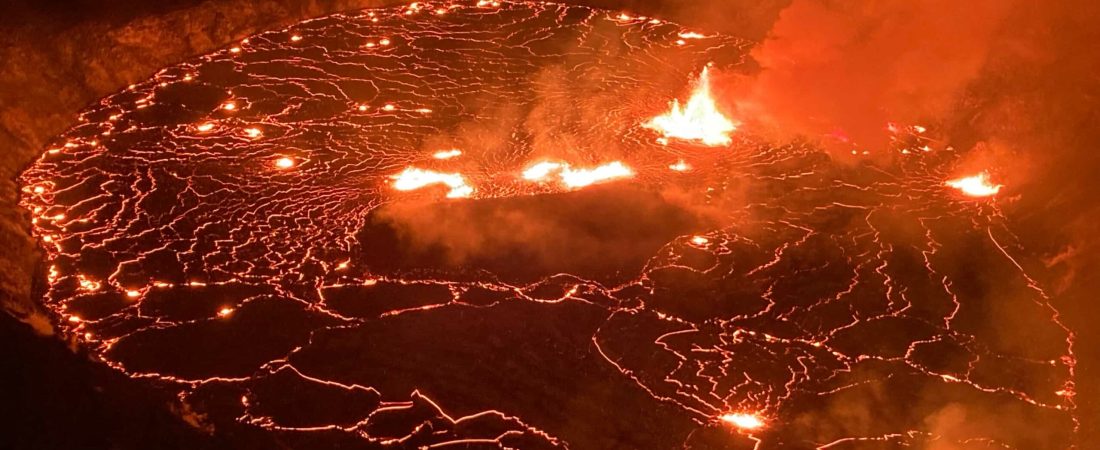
233	230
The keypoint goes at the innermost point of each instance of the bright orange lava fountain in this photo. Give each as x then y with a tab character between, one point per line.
577	178
412	178
540	171
743	421
447	154
699	120
975	186
285	163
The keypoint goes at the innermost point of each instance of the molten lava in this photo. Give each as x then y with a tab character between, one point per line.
412	179
447	154
975	186
680	166
285	163
759	287
699	120
743	421
577	178
540	171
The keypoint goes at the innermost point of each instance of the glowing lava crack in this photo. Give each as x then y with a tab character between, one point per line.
266	232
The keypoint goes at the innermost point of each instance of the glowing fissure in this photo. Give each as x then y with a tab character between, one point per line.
447	154
575	178
975	186
413	178
743	421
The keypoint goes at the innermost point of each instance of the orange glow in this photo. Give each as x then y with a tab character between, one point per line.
680	166
253	132
975	185
691	35
86	284
576	178
540	171
698	120
295	38
285	163
133	294
744	421
413	178
205	127
389	107
699	240
229	106
447	154
225	312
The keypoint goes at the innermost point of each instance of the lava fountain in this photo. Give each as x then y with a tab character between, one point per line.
698	120
413	178
975	186
577	177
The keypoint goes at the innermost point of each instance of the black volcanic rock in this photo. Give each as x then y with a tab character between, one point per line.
606	232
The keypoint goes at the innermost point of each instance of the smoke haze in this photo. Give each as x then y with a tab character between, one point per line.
1012	85
845	70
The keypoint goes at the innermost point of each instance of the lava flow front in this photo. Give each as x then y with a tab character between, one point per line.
458	225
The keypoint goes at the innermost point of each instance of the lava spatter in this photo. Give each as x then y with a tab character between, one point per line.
275	215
